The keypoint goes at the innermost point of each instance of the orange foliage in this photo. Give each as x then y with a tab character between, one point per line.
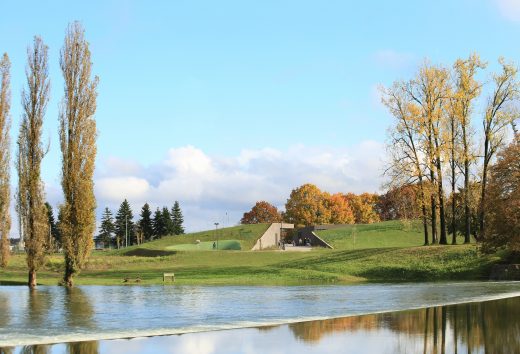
262	212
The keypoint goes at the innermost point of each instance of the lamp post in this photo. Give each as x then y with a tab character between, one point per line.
126	230
216	233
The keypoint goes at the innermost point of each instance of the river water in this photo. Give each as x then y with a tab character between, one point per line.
307	314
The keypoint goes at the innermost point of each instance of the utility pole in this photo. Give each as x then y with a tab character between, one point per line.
216	232
126	230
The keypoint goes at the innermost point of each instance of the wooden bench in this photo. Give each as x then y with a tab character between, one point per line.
168	275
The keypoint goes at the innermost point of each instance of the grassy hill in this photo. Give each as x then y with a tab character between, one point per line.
242	237
383	252
380	235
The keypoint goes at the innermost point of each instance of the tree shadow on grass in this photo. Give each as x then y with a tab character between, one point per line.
12	282
144	252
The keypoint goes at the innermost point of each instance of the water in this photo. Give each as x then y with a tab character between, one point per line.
90	313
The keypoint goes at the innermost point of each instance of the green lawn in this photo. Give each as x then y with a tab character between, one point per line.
224	245
380	235
384	252
245	235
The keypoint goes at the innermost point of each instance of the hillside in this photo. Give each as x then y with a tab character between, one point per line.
379	235
241	237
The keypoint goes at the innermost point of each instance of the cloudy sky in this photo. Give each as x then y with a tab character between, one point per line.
219	104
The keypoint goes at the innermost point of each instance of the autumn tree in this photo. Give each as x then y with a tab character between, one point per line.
177	219
31	201
363	207
398	203
5	124
261	212
78	146
340	210
500	113
307	206
145	223
430	90
405	164
503	201
467	89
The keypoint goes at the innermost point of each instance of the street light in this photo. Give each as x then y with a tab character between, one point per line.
216	232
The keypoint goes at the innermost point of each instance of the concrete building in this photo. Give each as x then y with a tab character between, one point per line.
272	236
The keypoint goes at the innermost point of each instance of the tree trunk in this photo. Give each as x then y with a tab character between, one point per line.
453	176
482	212
67	279
467	216
32	279
442	214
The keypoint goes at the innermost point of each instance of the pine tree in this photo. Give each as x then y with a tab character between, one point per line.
55	235
124	226
145	224
168	223
177	219
107	228
159	227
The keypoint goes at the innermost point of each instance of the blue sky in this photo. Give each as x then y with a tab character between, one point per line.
218	104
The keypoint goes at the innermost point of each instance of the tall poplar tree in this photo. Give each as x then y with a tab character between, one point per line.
31	201
5	125
78	146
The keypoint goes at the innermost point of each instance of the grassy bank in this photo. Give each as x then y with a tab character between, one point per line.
385	252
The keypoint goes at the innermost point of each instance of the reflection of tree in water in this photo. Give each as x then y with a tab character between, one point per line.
40	302
90	347
492	327
36	349
80	314
5	310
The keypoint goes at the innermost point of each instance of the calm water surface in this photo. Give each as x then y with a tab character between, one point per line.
91	313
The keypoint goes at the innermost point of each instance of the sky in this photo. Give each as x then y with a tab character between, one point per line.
219	104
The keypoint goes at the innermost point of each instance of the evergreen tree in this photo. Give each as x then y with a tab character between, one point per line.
168	223
124	225
107	228
159	227
145	224
53	226
177	219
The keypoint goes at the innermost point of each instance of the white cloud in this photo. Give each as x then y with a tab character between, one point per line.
209	187
510	9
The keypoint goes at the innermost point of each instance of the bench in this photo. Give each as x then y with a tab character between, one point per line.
168	275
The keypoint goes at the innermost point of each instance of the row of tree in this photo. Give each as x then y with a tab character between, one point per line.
432	140
122	231
77	133
308	205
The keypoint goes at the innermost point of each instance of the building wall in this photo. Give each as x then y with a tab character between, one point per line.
271	236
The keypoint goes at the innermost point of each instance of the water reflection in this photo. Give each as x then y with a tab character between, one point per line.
75	314
489	327
90	347
79	312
